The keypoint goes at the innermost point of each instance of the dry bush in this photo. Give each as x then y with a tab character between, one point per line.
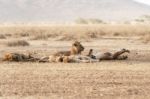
67	38
43	36
24	34
92	35
73	38
116	34
76	36
88	21
17	43
8	34
2	36
39	37
146	38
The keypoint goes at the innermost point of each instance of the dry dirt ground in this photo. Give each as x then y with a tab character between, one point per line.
128	79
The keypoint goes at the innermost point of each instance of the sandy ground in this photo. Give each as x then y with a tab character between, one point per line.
128	79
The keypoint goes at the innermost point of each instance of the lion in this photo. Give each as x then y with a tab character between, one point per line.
51	59
111	56
17	57
90	54
76	49
79	58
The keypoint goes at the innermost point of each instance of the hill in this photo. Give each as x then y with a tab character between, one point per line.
69	10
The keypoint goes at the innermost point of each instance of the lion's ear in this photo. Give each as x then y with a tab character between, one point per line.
74	44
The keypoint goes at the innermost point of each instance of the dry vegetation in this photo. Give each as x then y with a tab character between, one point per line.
146	38
17	43
73	32
127	79
2	36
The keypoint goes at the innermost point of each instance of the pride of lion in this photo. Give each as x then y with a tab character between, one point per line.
74	55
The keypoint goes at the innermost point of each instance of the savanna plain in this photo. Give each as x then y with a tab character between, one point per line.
118	79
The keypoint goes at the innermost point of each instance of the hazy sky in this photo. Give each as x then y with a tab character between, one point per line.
144	1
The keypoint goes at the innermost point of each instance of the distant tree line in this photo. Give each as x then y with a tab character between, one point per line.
89	21
141	19
144	18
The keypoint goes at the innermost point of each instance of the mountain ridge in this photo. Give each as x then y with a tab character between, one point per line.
69	10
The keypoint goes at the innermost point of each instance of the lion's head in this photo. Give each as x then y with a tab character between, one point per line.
8	57
77	48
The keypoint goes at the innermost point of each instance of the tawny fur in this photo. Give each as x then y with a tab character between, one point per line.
76	49
18	57
78	59
109	56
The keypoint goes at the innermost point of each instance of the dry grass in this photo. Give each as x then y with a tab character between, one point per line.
17	43
2	36
146	38
71	32
40	37
22	34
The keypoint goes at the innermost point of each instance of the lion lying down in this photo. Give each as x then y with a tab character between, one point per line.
110	56
72	56
17	57
76	49
90	58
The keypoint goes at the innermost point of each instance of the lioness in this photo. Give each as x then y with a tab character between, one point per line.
79	58
111	56
18	57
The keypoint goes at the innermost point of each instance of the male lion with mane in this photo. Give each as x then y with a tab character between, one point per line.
76	49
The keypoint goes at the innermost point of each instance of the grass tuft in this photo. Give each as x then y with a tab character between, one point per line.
17	43
2	36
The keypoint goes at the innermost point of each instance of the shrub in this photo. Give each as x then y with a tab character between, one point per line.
146	38
18	43
2	36
95	21
40	37
81	21
89	21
